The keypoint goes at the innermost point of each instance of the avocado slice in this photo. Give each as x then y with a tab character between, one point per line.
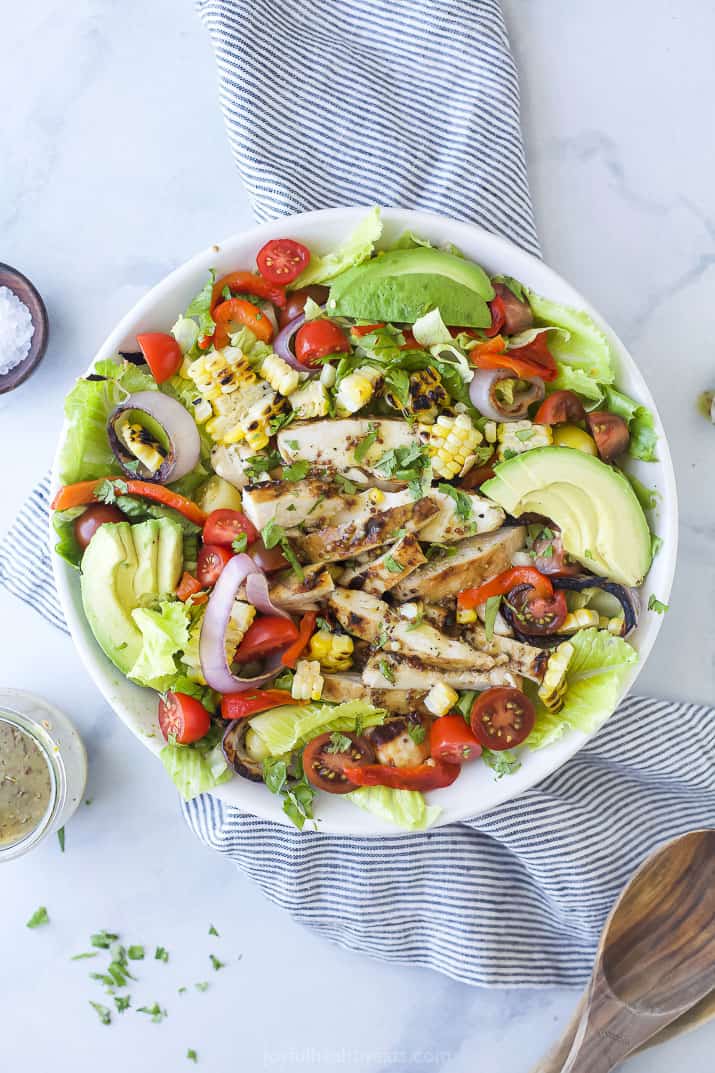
402	285
601	521
124	567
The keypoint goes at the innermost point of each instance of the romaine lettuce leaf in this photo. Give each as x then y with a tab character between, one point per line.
356	249
197	768
640	421
581	350
164	632
406	808
596	672
285	729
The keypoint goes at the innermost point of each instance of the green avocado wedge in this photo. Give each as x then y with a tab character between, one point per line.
402	285
601	521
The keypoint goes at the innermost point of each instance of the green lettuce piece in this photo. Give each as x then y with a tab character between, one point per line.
581	350
595	675
285	729
85	452
406	808
356	249
67	546
164	632
197	768
640	421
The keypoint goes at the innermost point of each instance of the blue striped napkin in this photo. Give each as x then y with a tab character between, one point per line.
415	103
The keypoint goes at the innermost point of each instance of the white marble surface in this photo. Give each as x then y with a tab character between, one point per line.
113	169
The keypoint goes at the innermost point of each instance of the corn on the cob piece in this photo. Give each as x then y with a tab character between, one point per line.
310	401
515	437
308	681
280	375
356	389
553	687
426	397
451	441
332	650
580	619
441	699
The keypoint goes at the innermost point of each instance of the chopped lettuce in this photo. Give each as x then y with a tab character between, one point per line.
406	808
430	329
356	249
197	768
581	349
85	452
164	632
285	729
640	421
594	677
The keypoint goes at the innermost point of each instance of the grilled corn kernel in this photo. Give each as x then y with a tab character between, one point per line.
280	375
451	441
356	390
440	699
308	681
515	437
425	399
466	615
332	650
553	687
242	615
579	620
310	401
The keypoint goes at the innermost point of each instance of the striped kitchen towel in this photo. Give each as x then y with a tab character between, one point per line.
415	103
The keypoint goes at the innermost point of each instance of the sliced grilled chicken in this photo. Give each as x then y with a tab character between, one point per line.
475	560
388	569
300	594
388	671
332	443
524	659
395	745
338	688
291	503
335	543
482	516
359	613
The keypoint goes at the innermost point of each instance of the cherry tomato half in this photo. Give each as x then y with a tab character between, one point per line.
224	526
451	739
239	705
610	433
318	338
87	524
265	634
183	719
211	561
282	260
235	312
327	758
536	615
295	302
162	354
432	775
563	407
502	718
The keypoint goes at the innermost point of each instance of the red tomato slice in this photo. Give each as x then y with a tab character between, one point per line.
87	524
318	338
233	313
305	632
162	354
502	718
183	719
431	775
325	764
451	740
212	559
247	283
239	705
225	526
560	408
265	634
282	260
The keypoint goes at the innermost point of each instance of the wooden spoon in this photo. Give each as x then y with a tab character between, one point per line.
656	958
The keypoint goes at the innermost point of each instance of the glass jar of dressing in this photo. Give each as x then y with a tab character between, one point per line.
43	771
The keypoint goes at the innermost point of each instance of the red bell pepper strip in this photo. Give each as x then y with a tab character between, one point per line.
248	283
432	775
83	492
240	705
305	632
505	582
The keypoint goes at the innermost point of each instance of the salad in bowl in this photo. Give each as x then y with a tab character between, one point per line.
363	522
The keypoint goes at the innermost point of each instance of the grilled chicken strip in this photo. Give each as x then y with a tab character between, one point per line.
298	594
482	516
338	688
386	571
388	671
347	541
332	443
476	559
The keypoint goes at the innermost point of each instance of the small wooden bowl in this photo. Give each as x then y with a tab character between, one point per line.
27	293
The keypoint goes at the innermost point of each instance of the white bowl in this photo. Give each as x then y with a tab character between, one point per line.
476	790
